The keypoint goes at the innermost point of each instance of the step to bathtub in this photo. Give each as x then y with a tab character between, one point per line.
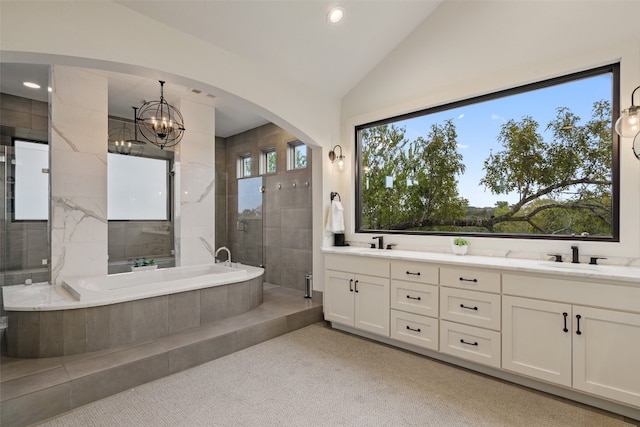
33	390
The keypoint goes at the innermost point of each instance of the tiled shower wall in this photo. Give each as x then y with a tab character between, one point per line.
286	211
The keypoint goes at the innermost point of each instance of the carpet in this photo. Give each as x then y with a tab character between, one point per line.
317	376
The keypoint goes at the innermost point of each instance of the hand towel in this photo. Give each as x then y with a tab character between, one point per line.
335	219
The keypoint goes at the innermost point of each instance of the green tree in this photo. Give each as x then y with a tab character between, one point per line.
408	184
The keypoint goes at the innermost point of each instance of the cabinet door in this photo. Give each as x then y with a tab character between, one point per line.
338	297
535	341
372	304
606	354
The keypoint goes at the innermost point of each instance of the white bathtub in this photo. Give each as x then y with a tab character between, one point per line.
145	284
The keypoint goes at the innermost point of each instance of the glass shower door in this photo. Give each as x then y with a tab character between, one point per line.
247	236
24	213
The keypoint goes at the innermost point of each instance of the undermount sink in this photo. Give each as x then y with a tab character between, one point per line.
569	266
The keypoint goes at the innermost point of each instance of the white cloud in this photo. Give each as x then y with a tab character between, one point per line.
460	116
497	117
463	146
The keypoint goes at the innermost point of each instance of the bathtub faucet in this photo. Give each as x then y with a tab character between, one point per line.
223	248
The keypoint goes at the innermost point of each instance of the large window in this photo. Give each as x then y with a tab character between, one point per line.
296	155
138	188
534	161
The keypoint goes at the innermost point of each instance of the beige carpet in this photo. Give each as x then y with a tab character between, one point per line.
320	377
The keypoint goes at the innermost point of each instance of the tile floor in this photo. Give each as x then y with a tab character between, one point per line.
32	390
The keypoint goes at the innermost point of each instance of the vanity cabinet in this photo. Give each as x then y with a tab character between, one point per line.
578	334
588	348
355	299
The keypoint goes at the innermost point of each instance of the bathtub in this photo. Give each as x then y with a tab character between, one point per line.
98	313
144	284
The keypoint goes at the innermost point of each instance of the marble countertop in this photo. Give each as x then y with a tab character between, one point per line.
46	297
611	273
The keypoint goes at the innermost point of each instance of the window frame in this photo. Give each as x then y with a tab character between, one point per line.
13	184
168	157
291	155
264	161
613	68
240	166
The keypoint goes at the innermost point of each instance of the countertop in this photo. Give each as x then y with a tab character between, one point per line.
46	297
621	275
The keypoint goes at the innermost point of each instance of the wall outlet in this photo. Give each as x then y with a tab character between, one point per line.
45	261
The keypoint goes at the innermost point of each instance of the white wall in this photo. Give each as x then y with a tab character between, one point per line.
469	48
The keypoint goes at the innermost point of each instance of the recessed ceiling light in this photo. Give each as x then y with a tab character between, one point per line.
335	15
31	85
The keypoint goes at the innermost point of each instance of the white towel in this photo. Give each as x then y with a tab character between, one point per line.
335	219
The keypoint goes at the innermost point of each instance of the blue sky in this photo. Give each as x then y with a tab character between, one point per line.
479	124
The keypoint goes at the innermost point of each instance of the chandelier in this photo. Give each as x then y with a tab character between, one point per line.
159	122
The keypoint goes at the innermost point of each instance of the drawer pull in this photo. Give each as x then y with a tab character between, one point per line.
356	287
413	274
565	322
415	298
462	279
468	343
350	285
468	308
411	329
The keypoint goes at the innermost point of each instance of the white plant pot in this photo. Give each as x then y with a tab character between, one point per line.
144	268
459	250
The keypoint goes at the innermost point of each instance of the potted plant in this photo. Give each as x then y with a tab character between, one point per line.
459	245
143	264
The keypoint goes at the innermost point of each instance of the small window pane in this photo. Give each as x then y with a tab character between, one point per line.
297	155
268	163
244	166
31	184
137	188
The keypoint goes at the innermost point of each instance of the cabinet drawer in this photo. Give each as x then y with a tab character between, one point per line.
357	264
421	331
414	298
471	343
469	307
468	278
414	272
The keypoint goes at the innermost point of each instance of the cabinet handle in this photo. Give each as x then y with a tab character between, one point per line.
350	285
462	279
468	343
415	298
578	317
565	322
414	274
356	287
468	308
411	329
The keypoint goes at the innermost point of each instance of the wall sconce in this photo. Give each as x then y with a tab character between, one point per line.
628	125
333	157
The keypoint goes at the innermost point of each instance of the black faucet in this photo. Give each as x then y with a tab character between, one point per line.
574	255
380	242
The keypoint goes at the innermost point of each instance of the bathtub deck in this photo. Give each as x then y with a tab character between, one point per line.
33	390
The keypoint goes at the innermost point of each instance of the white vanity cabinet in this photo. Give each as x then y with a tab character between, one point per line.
414	303
354	298
592	349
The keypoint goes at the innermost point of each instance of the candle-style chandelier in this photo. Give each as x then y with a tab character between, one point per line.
159	122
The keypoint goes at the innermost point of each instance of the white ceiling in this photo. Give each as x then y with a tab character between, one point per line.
290	37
